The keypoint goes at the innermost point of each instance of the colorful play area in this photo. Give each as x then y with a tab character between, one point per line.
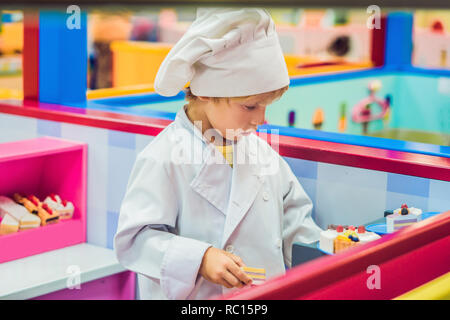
365	127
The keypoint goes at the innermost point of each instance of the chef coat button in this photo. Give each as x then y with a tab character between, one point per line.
279	243
265	196
229	249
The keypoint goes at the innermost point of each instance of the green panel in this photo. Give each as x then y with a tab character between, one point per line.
423	106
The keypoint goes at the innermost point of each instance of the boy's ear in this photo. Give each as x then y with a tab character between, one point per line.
204	99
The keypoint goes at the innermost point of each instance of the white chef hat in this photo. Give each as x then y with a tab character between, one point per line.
226	52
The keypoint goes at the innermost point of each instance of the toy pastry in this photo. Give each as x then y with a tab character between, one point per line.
19	213
338	238
64	208
31	206
8	225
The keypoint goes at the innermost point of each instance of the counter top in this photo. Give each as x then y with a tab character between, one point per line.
55	270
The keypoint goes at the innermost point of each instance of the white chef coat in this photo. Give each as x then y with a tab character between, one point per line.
173	210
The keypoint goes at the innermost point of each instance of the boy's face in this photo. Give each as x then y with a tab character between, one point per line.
237	117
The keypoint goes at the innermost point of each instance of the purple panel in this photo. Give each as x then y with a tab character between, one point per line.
120	286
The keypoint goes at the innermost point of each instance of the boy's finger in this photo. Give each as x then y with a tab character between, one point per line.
232	280
237	259
240	274
226	284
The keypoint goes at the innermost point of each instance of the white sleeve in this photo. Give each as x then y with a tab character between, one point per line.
145	241
298	224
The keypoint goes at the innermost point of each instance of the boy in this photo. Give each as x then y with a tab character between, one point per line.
207	197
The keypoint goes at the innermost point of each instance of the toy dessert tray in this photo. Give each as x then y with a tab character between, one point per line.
381	229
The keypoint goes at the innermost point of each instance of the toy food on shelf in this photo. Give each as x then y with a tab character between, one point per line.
338	238
33	204
47	215
25	219
8	225
29	212
29	205
15	217
29	221
64	208
401	217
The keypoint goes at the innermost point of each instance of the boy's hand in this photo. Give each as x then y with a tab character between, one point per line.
223	268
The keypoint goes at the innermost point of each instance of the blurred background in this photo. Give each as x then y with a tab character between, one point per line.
369	101
126	45
310	35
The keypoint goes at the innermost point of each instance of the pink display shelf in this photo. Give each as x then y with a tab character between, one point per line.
42	166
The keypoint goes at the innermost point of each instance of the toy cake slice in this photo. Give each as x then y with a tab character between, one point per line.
19	213
64	208
8	225
29	221
8	206
258	275
402	217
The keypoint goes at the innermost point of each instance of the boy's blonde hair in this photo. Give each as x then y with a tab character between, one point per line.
272	95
